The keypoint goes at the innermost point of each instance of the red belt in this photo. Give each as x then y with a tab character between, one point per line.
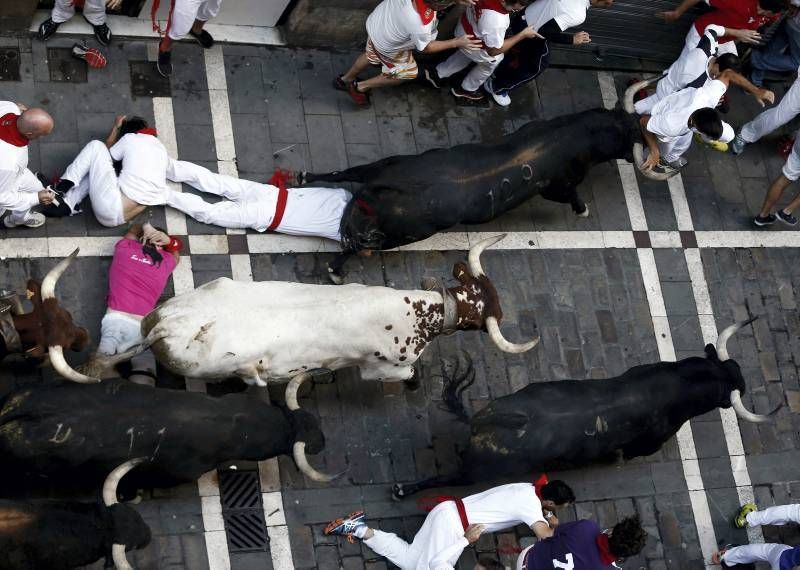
280	208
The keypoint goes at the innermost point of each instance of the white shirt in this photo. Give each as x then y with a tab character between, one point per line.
13	163
313	211
567	13
395	26
670	117
143	178
691	69
490	27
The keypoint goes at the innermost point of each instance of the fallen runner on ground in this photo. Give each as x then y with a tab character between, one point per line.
778	556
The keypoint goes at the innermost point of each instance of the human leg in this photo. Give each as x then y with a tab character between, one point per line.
749	553
453	64
95	12
359	65
478	75
204	180
226	213
118	333
28	182
673	149
94	163
779	515
63	10
774	118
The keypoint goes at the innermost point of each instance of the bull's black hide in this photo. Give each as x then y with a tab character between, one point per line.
55	535
79	433
408	198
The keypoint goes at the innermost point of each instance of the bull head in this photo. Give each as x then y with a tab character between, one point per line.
110	499
477	301
638	148
736	395
50	326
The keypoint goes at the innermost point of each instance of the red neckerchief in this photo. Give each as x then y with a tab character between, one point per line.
494	5
9	131
539	483
147	131
605	551
426	13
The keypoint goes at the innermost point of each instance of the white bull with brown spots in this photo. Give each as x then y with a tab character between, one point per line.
273	330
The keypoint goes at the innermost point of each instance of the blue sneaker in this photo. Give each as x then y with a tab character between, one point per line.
346	527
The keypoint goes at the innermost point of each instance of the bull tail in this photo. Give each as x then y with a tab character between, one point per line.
108	362
455	382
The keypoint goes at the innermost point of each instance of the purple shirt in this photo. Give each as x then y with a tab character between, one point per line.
574	545
790	558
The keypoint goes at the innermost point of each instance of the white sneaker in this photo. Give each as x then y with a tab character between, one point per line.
32	220
504	100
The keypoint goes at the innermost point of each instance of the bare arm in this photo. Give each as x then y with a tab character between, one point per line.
652	144
542	530
763	96
114	134
134	232
683	7
509	43
467	42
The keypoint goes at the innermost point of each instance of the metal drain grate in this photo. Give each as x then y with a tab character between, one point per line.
240	495
9	64
146	81
64	67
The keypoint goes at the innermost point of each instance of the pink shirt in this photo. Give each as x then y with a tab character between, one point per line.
134	282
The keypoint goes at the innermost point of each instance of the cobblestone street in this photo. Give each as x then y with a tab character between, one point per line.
653	273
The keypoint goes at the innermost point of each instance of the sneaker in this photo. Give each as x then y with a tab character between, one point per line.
502	99
360	98
339	83
346	527
203	38
737	144
46	29
712	144
460	93
32	220
740	520
761	221
164	64
787	219
676	164
432	77
93	57
102	33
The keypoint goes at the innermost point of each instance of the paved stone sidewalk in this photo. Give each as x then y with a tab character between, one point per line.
590	306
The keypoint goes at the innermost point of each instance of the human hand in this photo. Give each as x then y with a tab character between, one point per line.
119	121
529	33
747	36
113	4
45	197
651	161
468	42
581	38
669	15
473	532
765	96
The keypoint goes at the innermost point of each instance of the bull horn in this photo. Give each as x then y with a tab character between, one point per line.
474	257
118	555
50	280
728	332
292	388
638	149
113	479
497	337
62	367
744	413
299	452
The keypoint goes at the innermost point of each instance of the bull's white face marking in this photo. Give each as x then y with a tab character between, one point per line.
58	437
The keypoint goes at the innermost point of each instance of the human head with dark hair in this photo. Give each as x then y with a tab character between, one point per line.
627	538
132	125
726	61
771	6
557	494
707	122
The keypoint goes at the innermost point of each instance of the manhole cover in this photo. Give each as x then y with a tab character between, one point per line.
9	64
240	495
146	81
65	68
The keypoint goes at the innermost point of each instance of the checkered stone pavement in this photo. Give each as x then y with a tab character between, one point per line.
652	274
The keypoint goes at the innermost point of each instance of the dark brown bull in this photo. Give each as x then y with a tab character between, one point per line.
47	329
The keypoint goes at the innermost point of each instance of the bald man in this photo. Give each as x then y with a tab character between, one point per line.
20	189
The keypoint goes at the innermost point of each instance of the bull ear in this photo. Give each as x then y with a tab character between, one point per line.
711	352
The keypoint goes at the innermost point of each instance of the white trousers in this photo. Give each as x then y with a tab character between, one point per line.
118	333
644	106
309	211
672	149
693	38
485	65
185	12
25	183
93	174
769	553
783	514
774	118
93	10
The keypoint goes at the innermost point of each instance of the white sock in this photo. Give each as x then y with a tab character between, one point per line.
361	530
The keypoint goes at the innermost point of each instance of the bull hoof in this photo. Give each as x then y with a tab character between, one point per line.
337	278
398	492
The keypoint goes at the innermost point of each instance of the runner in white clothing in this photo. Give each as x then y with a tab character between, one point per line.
697	68
185	17
141	183
488	21
20	189
455	523
94	11
261	207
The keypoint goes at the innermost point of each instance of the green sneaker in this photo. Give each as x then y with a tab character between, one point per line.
740	520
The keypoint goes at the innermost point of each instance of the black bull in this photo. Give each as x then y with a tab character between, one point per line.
73	435
574	423
408	198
